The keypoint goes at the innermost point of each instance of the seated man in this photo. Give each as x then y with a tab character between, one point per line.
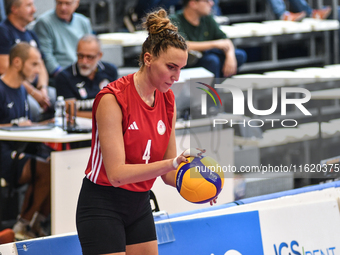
84	79
197	25
13	30
22	164
59	31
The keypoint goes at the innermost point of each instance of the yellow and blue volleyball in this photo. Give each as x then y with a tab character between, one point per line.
199	180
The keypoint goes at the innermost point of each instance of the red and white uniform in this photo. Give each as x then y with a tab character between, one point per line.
146	130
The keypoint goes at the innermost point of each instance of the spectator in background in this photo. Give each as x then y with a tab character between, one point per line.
22	164
133	19
59	31
301	8
84	79
12	31
202	33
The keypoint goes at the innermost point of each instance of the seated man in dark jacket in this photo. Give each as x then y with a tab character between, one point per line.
81	81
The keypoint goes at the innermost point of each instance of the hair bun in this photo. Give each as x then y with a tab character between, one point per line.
158	21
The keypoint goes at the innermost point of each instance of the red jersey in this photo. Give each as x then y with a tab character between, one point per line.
146	130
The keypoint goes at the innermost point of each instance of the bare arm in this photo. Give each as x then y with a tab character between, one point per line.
28	123
222	44
230	63
38	95
43	79
109	121
226	45
22	123
42	85
43	76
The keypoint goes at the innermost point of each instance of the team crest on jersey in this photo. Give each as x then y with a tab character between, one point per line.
161	127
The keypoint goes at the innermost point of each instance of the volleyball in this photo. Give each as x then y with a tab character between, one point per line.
200	179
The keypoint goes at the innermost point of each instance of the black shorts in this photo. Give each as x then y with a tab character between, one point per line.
12	172
110	218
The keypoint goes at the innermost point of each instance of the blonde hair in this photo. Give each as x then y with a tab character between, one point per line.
161	35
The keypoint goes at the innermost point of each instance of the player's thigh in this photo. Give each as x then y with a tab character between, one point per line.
147	248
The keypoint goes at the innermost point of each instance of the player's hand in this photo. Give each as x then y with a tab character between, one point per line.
191	152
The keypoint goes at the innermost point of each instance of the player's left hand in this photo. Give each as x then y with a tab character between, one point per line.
191	152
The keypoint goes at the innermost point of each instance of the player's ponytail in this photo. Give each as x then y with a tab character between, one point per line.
161	34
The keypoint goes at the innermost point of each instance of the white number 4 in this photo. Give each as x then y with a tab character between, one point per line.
146	155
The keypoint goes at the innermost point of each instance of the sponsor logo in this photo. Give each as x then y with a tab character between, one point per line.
239	103
133	126
295	248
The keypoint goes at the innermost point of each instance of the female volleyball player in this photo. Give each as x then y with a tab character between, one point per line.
133	142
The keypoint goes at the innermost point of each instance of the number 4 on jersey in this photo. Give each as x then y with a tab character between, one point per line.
146	155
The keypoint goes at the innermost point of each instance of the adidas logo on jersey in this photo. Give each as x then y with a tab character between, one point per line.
133	126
